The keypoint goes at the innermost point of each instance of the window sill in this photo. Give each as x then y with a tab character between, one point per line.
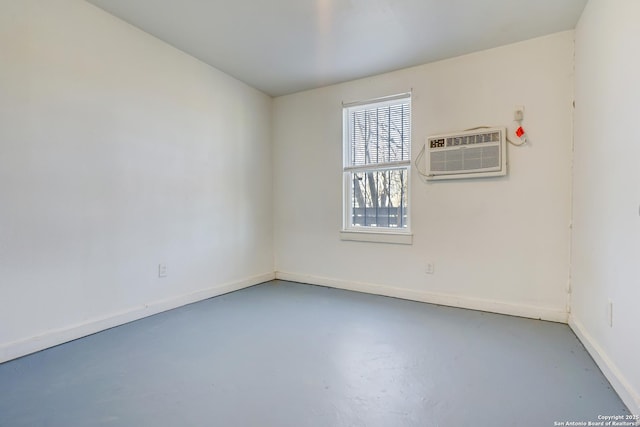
377	237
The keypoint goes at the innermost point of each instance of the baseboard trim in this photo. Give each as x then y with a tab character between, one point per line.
500	307
54	337
629	396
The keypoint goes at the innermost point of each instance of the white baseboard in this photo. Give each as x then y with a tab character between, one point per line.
55	337
625	390
500	307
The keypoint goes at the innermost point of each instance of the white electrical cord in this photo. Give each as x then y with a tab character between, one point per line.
419	159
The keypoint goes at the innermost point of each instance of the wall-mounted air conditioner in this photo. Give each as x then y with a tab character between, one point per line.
469	154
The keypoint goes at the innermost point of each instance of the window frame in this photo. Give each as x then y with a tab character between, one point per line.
367	233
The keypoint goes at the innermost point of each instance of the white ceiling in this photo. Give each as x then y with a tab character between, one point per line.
285	46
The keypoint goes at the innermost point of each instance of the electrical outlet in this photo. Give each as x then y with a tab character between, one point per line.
429	268
518	113
162	270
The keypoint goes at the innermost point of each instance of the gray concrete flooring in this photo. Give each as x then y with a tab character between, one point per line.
286	354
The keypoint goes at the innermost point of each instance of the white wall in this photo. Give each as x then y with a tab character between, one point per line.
497	244
606	231
118	152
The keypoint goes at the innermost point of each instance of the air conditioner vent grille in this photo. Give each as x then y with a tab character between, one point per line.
464	160
473	139
467	154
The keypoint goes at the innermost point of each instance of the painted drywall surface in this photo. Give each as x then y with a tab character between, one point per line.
117	153
606	221
499	240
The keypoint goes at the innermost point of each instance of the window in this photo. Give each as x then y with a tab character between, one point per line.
376	169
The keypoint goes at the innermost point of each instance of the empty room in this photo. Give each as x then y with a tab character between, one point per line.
319	213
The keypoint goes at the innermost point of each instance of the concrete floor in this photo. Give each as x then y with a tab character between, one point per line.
285	354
